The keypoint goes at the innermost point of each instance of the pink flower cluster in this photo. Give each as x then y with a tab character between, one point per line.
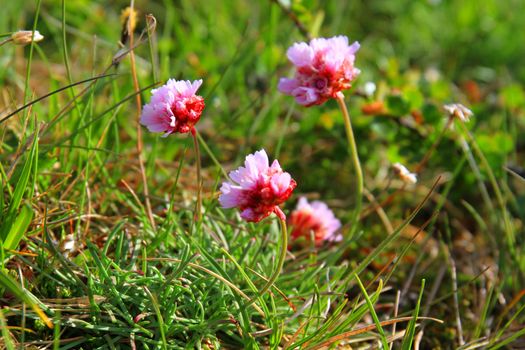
174	107
258	188
324	67
316	218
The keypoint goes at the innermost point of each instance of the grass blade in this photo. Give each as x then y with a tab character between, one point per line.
19	109
370	305
409	335
11	285
20	188
19	228
382	246
7	341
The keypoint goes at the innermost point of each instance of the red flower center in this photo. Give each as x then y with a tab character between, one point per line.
262	199
187	113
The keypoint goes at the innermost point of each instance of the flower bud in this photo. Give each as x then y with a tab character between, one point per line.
458	111
404	174
24	37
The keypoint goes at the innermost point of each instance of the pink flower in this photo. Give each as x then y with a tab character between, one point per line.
323	68
314	217
174	107
257	188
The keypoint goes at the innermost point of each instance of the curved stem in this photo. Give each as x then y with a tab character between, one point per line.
355	159
197	214
433	147
280	262
5	41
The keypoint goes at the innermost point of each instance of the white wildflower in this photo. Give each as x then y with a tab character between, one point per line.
403	173
459	111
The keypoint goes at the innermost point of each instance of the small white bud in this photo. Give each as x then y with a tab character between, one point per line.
24	37
459	111
369	88
403	173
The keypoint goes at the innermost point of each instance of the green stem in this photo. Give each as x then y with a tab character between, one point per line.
355	159
508	227
197	214
280	262
151	27
5	41
32	45
433	147
210	154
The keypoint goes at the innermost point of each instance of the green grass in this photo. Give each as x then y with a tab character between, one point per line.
82	266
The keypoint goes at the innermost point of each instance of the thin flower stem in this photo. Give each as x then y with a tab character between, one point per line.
5	41
198	209
136	86
508	227
355	159
418	169
454	277
280	262
432	148
32	45
212	156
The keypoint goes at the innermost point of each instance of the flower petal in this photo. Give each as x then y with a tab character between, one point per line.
300	54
